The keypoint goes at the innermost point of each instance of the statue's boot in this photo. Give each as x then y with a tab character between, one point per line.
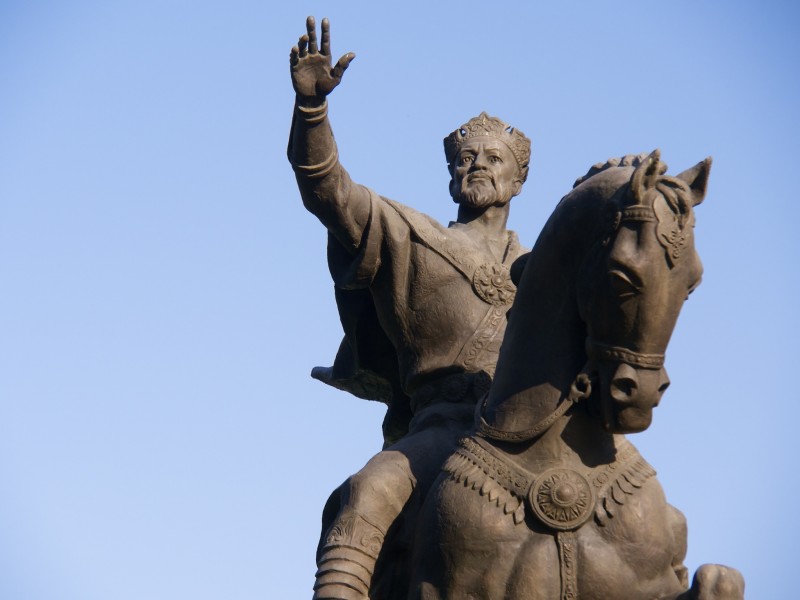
369	503
347	559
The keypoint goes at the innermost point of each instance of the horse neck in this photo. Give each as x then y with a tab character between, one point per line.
543	351
543	348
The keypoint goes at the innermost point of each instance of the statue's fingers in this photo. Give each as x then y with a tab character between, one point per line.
293	55
342	64
311	26
325	46
302	45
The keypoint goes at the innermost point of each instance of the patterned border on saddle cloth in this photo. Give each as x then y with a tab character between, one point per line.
479	466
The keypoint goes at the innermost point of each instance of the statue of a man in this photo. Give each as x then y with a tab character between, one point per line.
423	307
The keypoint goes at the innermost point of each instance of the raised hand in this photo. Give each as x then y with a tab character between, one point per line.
312	73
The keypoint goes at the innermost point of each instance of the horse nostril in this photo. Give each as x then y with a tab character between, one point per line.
623	388
664	383
624	383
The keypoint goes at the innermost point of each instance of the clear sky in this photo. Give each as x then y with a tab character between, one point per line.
165	294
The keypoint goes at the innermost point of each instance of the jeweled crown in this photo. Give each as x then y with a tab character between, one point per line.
485	125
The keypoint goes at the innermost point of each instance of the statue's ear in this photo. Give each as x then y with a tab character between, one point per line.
646	175
517	187
697	178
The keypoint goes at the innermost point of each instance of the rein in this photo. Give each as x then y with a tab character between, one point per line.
580	389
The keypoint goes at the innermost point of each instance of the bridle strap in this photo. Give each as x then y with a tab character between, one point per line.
600	351
637	213
580	389
489	431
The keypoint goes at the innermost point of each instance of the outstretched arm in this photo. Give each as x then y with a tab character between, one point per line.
325	187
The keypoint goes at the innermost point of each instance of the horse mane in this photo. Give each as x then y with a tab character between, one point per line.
629	160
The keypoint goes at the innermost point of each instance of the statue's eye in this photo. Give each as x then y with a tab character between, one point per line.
465	160
495	160
622	284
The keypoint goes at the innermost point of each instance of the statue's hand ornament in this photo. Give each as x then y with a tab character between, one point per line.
313	76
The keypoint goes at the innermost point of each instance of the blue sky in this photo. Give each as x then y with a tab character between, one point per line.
165	294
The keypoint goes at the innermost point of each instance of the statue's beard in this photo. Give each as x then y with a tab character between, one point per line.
481	193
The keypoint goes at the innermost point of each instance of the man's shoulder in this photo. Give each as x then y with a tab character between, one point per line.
415	218
448	239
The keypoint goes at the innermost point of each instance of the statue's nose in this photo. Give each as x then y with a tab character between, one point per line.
480	162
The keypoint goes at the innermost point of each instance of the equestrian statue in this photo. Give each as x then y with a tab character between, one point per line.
503	478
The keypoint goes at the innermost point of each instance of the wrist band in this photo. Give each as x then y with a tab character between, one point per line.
320	169
313	115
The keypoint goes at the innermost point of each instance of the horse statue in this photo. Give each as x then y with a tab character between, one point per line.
546	499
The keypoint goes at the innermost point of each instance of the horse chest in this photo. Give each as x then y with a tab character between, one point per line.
598	534
629	557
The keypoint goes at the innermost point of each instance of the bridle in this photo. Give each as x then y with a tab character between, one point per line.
599	351
581	387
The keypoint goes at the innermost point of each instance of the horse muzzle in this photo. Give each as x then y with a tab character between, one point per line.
628	395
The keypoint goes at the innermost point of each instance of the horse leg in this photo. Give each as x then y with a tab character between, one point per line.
711	582
714	582
680	535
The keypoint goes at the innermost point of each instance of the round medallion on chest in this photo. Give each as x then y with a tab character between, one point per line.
562	499
492	282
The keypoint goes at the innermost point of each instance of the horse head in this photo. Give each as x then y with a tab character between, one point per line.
631	287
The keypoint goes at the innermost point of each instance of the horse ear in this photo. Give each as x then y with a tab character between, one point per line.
646	175
697	178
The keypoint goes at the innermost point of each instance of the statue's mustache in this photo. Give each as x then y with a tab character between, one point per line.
479	177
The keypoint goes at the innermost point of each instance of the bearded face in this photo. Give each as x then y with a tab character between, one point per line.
485	174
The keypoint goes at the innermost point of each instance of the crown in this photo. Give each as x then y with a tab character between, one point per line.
484	125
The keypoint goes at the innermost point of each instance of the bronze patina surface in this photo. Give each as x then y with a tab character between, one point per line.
506	472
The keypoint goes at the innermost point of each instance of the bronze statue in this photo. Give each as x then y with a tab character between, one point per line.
546	499
423	308
525	488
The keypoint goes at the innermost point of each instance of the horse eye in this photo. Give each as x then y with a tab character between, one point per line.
622	284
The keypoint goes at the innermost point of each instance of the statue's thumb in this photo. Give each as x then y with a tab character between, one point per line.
342	64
